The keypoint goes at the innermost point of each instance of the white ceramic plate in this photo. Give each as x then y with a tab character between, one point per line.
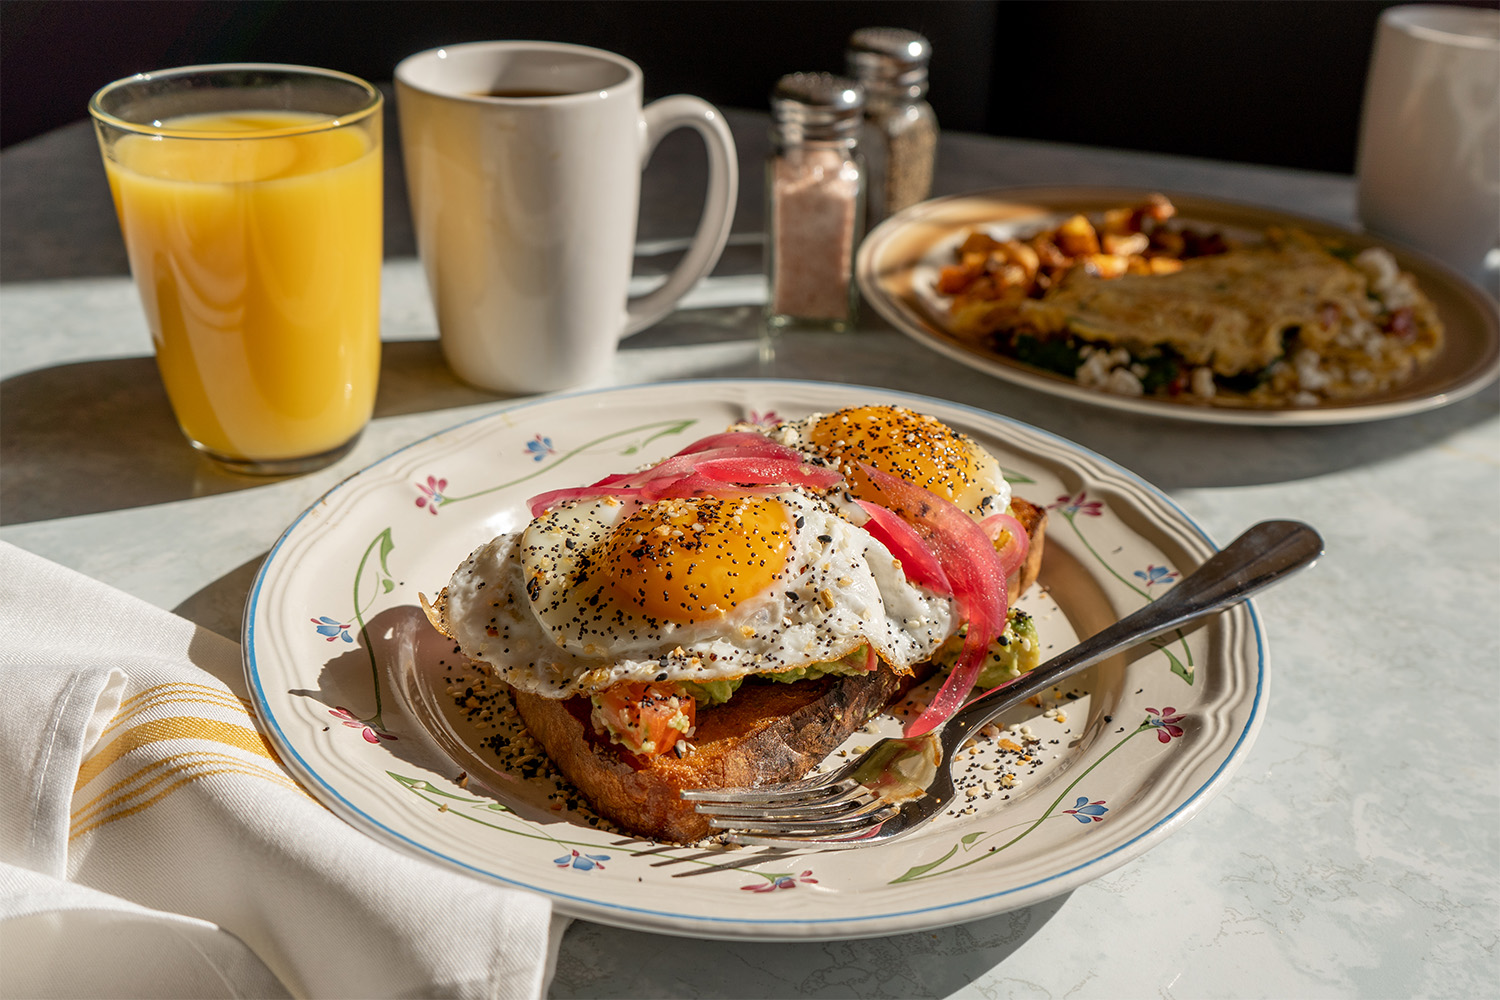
366	702
897	262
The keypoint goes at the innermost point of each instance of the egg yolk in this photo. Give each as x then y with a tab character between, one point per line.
693	560
918	448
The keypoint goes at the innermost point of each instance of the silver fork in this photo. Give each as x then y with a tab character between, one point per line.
898	784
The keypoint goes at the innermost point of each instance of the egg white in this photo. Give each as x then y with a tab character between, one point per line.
840	589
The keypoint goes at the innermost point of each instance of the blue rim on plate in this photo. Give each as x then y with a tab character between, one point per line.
332	613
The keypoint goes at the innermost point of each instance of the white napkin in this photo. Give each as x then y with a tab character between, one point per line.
151	844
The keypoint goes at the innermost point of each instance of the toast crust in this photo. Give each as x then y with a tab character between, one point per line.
1034	520
767	733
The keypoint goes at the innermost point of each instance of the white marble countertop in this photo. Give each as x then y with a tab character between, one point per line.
1355	853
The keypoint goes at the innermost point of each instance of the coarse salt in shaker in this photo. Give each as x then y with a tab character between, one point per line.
900	140
815	194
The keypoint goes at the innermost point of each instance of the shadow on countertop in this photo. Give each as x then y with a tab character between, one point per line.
1168	453
93	436
97	436
220	606
1174	455
599	961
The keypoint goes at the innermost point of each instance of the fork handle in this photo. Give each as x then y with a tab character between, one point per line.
1265	554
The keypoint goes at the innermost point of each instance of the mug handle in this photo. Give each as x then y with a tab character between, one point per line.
658	118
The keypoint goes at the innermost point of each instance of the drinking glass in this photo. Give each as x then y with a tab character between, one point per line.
249	197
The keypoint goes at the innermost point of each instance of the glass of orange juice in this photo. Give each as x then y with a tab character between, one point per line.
249	196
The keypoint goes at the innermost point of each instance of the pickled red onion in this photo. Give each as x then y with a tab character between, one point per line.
741	442
918	562
676	465
969	561
737	462
542	502
758	470
1017	544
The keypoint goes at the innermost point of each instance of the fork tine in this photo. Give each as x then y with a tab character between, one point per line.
839	827
820	809
774	794
804	843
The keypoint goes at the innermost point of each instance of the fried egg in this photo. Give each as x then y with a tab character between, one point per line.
918	448
600	592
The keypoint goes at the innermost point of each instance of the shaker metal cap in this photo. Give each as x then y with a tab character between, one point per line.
817	106
889	58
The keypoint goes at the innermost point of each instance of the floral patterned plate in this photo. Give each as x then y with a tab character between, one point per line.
394	733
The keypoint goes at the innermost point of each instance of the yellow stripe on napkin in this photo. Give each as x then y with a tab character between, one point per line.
165	694
139	725
133	785
177	727
178	770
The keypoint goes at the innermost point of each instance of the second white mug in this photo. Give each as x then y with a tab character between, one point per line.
1429	151
523	162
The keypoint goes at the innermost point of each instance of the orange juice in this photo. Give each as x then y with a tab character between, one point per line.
258	262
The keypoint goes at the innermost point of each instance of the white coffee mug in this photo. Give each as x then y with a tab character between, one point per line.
523	161
1429	149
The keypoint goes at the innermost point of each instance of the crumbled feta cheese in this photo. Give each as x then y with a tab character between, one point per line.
1310	376
1201	382
1123	381
1098	365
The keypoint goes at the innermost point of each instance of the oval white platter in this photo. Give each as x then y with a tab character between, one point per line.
369	706
898	261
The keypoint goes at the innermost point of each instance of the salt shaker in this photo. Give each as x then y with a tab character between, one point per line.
815	199
901	130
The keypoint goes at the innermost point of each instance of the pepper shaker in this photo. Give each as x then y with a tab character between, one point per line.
901	132
815	199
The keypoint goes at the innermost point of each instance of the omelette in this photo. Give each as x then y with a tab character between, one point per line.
1290	321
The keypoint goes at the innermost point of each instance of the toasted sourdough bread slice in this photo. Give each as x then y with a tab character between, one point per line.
766	733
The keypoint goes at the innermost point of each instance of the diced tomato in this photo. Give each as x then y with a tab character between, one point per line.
647	719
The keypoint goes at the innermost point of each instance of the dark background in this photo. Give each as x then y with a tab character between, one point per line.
1257	81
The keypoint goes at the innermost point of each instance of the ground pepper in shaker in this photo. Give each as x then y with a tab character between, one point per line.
900	141
814	190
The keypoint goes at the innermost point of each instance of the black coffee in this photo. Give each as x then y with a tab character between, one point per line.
522	92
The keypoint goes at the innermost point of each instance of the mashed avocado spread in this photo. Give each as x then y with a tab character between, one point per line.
1012	654
1015	652
718	692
